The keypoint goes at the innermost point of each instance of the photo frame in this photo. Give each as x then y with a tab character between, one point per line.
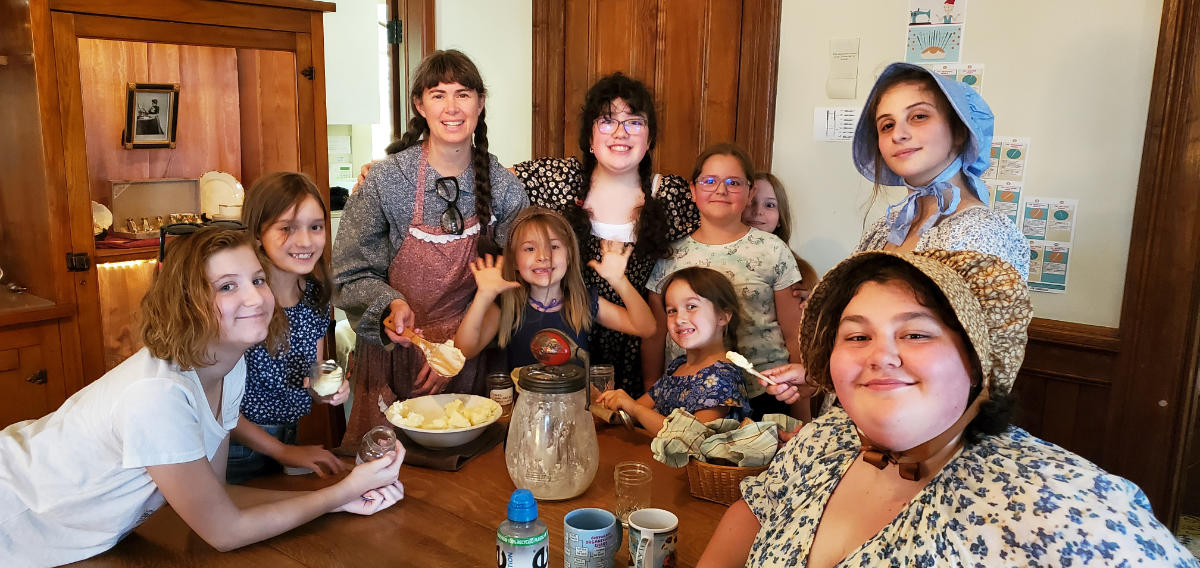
151	114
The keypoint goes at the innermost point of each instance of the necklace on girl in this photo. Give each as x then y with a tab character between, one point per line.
544	307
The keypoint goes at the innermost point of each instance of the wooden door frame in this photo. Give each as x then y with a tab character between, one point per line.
416	43
66	21
1153	394
759	65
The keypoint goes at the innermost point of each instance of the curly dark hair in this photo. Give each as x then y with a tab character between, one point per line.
453	66
995	414
652	220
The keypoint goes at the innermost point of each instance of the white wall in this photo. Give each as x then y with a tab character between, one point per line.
352	63
498	36
1072	76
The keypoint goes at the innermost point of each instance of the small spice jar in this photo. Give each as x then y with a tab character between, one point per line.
376	443
500	389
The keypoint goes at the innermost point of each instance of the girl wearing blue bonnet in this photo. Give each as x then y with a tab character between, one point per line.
932	135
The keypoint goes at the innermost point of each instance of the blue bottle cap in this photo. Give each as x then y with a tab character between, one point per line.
522	507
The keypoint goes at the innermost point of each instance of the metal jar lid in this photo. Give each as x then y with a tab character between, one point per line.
556	379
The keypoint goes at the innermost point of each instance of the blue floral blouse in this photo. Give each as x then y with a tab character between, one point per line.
1009	500
719	384
275	392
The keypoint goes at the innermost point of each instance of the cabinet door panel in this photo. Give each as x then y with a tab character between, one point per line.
30	352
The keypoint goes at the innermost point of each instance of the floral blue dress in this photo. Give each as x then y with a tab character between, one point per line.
719	384
1009	500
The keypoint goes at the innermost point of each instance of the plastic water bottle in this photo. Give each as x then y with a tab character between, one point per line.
522	540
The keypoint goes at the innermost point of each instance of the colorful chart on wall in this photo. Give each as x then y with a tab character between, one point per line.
970	74
936	12
1048	266
934	44
1006	198
935	31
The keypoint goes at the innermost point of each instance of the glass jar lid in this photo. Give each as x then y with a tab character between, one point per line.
552	379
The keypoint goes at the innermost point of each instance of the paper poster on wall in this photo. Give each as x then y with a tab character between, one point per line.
1006	198
1014	153
931	12
1060	220
934	44
1052	260
833	124
935	30
842	82
1033	222
969	73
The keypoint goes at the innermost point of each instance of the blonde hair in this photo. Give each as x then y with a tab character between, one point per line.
545	225
784	229
179	319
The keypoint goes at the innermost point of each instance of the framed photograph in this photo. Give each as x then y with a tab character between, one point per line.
151	111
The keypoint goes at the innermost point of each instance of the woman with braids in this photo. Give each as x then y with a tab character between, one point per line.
409	234
612	192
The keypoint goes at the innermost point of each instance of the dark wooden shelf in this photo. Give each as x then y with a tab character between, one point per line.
122	255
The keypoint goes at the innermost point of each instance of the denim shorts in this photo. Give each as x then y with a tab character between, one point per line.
245	463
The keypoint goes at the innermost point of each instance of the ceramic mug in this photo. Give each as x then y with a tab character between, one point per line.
653	534
591	538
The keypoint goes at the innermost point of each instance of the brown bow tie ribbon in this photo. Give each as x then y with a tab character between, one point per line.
909	462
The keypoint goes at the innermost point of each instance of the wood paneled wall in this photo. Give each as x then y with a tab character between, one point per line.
208	136
710	64
270	127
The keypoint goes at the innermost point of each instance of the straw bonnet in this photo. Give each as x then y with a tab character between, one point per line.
990	300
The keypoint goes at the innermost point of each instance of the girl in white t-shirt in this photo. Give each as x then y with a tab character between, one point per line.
156	427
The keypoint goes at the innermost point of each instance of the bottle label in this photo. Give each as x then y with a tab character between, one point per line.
503	397
522	552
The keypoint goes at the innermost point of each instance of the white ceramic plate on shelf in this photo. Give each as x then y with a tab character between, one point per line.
217	189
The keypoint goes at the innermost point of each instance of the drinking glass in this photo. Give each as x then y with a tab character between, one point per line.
632	488
603	377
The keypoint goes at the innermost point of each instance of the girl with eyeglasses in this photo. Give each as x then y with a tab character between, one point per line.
410	232
286	215
612	192
155	429
758	263
539	284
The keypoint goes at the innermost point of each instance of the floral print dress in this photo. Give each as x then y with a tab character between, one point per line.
1009	500
719	384
555	183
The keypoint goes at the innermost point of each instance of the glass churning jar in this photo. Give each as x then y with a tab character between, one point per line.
551	448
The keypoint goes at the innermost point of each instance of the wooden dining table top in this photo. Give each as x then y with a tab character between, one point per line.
445	519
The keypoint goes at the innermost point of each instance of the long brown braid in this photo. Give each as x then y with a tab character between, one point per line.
453	66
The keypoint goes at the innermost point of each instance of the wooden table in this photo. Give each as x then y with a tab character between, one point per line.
445	519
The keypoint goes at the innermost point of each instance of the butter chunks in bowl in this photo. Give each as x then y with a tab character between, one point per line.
443	420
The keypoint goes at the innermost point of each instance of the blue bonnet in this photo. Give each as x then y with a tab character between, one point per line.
967	104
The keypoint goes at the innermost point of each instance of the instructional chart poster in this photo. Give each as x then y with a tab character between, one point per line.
969	73
935	30
832	124
1048	264
1006	198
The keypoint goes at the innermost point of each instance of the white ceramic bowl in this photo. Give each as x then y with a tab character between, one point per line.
433	405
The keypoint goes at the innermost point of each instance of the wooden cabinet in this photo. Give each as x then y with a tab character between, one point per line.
31	370
251	101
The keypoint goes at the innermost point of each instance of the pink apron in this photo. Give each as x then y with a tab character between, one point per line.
436	281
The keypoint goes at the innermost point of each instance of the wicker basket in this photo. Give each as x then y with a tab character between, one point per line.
718	483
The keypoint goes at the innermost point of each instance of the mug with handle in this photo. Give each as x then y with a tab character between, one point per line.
653	535
591	538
